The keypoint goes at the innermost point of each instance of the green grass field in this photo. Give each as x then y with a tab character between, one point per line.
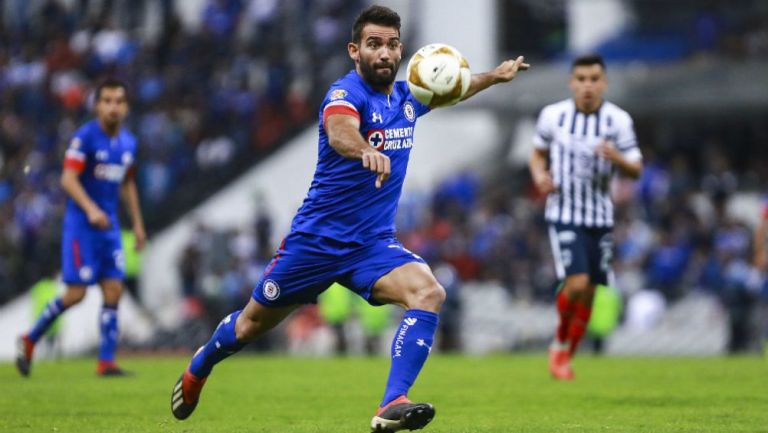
483	394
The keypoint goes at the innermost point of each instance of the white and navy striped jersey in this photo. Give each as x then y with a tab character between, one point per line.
582	179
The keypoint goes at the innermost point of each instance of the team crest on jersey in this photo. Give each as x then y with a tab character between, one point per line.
271	290
409	111
102	155
338	94
75	143
376	138
127	158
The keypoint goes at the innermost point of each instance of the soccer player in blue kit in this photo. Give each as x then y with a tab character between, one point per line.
344	231
98	169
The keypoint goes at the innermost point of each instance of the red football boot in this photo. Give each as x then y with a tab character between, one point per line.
560	363
186	394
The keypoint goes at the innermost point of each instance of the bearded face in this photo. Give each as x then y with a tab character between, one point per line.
378	54
379	73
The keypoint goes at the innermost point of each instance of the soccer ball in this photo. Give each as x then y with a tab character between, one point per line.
438	75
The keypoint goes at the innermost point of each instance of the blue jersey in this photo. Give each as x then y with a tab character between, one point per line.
343	202
103	162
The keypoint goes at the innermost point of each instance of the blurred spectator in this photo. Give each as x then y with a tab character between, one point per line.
644	310
215	152
667	263
449	335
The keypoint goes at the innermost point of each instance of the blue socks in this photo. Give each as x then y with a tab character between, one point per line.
410	348
222	344
46	319
109	333
107	326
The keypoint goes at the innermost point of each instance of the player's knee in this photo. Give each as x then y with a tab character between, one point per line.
429	297
73	297
577	285
112	295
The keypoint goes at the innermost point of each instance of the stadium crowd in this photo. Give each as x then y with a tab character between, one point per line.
205	102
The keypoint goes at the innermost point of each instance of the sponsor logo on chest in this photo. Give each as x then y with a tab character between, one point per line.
112	172
109	172
391	138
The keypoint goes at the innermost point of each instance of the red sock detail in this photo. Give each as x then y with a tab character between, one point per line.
565	308
581	314
191	387
29	346
399	400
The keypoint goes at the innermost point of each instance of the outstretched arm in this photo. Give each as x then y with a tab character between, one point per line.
344	137
501	74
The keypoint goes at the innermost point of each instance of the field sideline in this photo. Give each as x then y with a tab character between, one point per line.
503	393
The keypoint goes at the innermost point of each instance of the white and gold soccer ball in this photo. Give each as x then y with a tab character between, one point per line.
438	75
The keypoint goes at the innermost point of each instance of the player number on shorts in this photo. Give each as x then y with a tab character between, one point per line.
606	253
119	259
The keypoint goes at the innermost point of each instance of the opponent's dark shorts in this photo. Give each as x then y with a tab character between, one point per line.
582	250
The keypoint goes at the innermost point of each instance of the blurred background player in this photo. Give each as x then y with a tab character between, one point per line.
98	170
344	231
579	144
338	305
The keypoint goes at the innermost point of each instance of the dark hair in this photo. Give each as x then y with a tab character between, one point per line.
588	60
109	83
374	14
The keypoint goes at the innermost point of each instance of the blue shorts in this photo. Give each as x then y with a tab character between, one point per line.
89	255
305	265
582	250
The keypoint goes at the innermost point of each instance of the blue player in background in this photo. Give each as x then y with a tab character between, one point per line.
98	170
344	231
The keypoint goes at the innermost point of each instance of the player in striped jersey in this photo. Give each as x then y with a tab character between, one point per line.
578	146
